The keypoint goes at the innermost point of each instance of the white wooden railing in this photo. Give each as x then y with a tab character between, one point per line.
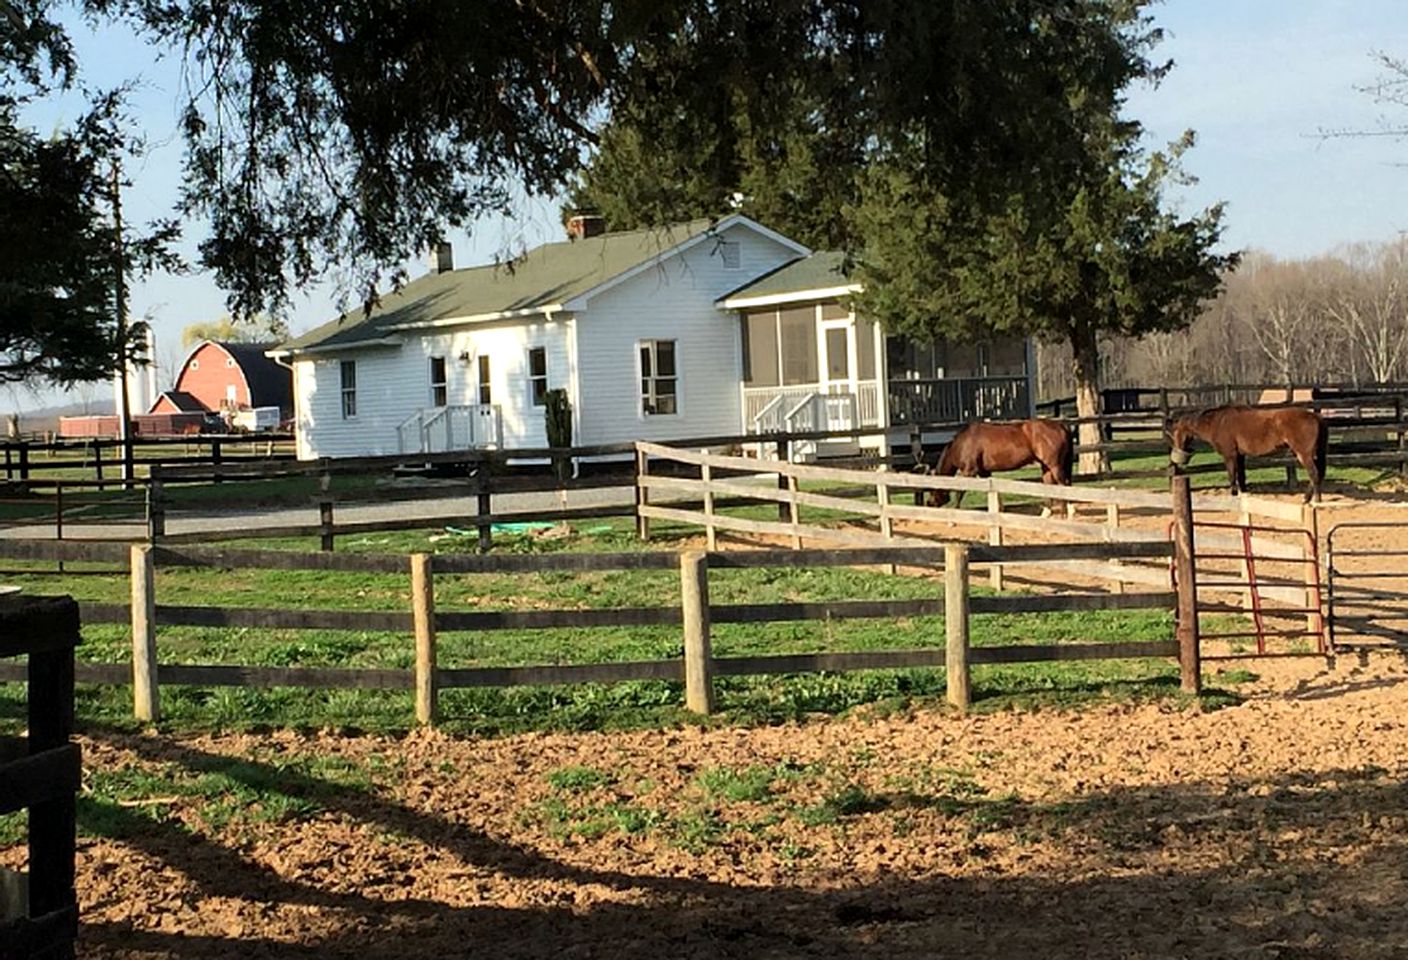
765	408
454	427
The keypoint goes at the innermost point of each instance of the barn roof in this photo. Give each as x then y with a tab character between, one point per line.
270	383
182	401
544	278
814	277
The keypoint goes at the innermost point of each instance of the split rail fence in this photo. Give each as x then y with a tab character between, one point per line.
695	614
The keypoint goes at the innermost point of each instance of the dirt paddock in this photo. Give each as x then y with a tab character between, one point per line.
1274	828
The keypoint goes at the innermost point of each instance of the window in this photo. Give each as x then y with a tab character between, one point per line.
538	375
658	378
349	389
728	253
439	387
484	393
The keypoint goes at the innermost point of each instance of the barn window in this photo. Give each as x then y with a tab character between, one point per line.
195	364
484	392
659	379
439	386
538	375
349	389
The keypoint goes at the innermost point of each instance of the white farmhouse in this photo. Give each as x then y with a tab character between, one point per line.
702	329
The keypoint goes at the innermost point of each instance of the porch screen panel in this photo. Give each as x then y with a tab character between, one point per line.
865	348
760	344
962	360
1007	357
798	329
834	311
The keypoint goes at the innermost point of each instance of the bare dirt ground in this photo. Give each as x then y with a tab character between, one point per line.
1275	828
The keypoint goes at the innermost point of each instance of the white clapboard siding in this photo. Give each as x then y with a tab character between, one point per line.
672	301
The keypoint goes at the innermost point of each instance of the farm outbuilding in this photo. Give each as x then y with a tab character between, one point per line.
701	329
229	377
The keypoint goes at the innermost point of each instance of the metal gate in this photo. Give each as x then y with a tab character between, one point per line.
1367	587
1278	581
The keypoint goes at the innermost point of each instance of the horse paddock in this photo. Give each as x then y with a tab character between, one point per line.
1272	827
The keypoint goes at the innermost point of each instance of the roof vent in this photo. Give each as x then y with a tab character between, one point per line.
442	258
585	225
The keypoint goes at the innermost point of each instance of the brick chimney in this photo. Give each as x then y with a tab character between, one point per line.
585	225
442	258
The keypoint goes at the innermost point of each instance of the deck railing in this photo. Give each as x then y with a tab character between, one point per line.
959	399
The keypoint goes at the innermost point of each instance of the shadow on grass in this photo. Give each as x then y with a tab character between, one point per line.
1275	867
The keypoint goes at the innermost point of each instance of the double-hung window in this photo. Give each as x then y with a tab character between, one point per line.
439	384
538	375
349	389
659	380
485	394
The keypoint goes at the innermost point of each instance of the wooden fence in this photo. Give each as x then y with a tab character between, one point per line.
695	614
28	461
886	514
41	773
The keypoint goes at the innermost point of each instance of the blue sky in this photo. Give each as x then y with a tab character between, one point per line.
1258	80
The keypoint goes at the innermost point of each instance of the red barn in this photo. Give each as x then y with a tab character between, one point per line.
229	376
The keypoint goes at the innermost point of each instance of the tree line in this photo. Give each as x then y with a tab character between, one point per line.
1340	317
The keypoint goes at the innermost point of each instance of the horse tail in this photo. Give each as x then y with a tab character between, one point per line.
947	465
1068	455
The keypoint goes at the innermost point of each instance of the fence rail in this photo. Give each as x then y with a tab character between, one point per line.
695	614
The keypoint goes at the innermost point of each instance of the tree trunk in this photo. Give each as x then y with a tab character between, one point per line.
1086	368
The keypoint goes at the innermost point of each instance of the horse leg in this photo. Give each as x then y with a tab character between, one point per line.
1312	470
1229	460
1242	472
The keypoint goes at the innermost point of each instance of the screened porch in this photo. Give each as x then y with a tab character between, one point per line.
810	367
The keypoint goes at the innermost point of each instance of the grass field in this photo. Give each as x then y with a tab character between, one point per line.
742	700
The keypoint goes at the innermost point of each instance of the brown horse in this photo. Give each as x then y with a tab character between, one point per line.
980	449
1237	432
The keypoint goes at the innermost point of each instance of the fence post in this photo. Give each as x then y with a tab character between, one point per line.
156	511
994	537
784	455
423	613
960	689
98	462
1186	582
24	461
1112	525
642	494
483	507
711	539
59	516
793	514
325	525
916	450
1314	622
146	696
694	608
216	460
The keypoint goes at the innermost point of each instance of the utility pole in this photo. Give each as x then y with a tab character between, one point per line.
124	402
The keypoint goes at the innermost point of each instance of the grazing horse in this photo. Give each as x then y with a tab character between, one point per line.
980	449
1237	432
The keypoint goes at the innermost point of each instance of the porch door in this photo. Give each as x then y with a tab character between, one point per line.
838	375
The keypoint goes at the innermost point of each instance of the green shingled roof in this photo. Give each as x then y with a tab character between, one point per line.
822	270
547	275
